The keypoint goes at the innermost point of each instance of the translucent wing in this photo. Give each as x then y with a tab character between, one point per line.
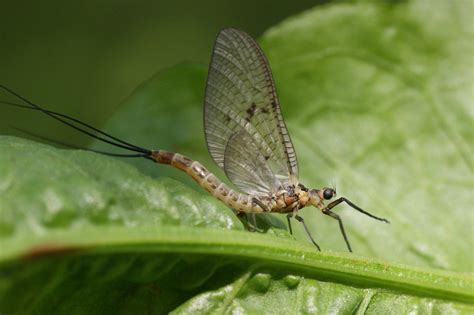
241	102
246	167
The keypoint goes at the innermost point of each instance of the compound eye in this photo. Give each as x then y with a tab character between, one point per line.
328	193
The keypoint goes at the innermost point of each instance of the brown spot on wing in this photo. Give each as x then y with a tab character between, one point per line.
251	110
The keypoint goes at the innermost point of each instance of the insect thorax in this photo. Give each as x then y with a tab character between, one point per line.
290	199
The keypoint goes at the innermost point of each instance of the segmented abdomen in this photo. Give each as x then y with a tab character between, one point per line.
237	201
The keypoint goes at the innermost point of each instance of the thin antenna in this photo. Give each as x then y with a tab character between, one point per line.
333	185
64	119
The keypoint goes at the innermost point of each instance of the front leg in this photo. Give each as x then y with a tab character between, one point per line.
354	206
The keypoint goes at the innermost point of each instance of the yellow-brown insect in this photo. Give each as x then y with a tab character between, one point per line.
245	134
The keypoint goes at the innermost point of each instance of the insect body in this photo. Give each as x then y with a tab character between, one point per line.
245	134
283	201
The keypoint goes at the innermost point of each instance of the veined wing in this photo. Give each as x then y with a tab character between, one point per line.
246	167
241	100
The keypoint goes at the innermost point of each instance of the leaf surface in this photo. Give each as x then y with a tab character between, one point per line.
377	98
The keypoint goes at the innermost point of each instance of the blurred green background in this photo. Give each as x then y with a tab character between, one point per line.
83	58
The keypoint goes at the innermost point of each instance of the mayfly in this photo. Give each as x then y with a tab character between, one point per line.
245	135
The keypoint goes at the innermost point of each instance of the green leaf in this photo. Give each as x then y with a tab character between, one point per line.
376	98
95	230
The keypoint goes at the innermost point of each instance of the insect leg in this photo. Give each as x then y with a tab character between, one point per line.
243	217
288	217
342	199
253	222
300	219
328	212
260	204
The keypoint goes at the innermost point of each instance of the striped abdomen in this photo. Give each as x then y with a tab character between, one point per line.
237	201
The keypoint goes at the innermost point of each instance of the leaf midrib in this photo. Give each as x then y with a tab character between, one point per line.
292	255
